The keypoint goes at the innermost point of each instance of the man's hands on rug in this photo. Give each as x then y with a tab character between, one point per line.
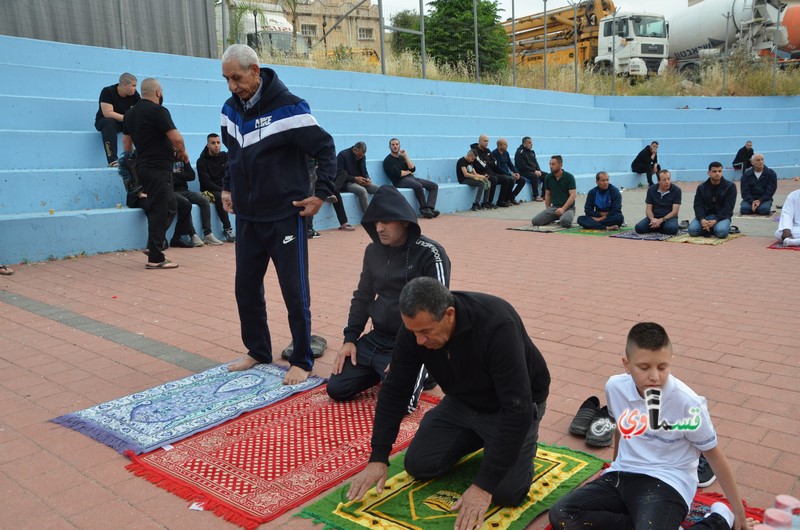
374	473
472	508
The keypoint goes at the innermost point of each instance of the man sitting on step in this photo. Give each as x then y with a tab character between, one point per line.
182	174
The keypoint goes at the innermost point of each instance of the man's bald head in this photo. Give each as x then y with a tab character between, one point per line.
151	90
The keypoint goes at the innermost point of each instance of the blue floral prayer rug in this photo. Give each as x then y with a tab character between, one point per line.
147	420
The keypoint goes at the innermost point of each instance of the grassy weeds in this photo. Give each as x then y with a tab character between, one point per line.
744	77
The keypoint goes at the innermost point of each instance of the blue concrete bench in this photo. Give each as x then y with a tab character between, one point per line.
650	131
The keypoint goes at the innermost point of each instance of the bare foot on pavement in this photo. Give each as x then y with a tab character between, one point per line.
295	376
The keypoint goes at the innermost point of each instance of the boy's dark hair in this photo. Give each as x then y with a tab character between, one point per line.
425	294
714	164
647	336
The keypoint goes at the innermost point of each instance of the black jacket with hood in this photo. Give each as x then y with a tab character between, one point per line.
485	163
267	147
211	170
386	270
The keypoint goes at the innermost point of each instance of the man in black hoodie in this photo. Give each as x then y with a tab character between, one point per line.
269	132
210	171
714	201
495	382
398	253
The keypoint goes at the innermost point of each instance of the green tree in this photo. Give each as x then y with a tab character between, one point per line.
450	34
402	42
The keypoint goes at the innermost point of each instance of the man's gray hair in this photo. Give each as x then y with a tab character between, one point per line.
425	294
242	54
127	79
755	155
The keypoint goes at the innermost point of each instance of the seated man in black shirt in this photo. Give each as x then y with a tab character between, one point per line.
663	204
400	169
115	100
495	383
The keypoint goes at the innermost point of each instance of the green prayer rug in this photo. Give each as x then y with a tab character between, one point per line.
425	505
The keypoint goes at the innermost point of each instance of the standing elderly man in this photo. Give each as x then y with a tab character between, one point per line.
268	132
115	101
148	125
495	383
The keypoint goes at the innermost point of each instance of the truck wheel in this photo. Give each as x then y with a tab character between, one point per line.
602	68
691	72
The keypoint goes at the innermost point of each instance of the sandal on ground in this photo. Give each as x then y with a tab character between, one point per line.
5	271
735	229
318	345
114	163
166	264
347	228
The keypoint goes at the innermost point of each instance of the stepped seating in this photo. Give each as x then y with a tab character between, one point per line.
56	162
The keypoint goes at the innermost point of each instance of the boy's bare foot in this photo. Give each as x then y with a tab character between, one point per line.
295	376
245	363
751	523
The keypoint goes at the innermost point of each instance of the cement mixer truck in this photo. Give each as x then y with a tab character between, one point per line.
632	43
762	27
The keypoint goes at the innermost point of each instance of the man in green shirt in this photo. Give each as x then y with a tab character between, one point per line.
559	197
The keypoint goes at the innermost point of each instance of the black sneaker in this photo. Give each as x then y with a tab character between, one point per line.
180	243
313	234
476	207
582	420
705	475
601	430
436	213
426	213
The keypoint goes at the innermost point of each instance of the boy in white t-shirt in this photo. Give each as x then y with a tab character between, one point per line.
662	426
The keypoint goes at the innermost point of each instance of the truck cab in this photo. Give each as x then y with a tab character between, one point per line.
632	44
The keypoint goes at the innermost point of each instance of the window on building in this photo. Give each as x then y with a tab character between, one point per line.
308	30
365	34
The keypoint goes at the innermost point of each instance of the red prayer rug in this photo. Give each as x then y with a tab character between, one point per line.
779	246
256	467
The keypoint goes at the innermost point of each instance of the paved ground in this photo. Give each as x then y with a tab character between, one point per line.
82	331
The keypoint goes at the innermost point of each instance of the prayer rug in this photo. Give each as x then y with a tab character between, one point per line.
579	230
409	504
176	410
701	505
779	246
771	215
544	229
700	240
252	469
650	236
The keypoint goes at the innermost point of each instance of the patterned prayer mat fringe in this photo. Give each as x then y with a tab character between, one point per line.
93	431
179	489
